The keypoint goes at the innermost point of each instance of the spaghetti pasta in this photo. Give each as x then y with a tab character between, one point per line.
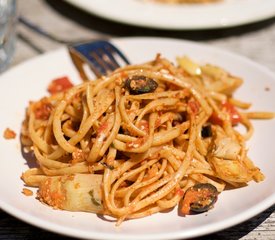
131	144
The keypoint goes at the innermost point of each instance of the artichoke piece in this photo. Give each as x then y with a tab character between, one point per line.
189	65
226	148
233	171
77	192
219	80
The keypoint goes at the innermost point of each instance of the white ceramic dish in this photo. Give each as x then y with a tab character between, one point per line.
226	13
29	81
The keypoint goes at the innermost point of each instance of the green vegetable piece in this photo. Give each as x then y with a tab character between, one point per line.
95	201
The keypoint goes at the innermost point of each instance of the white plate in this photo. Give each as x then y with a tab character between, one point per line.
226	13
28	82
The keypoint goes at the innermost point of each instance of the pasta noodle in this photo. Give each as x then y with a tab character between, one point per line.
134	142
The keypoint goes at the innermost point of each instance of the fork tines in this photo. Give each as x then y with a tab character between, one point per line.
101	56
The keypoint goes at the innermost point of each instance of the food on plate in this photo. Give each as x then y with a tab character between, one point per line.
27	192
144	139
9	134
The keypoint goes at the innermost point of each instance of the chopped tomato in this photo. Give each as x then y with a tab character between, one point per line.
179	192
235	117
59	85
102	127
194	106
214	118
234	114
188	199
43	109
27	192
9	134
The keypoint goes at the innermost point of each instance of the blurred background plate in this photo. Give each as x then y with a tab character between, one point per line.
226	13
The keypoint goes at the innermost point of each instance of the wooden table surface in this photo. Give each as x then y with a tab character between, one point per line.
254	41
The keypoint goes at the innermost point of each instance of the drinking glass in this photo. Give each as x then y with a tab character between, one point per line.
7	32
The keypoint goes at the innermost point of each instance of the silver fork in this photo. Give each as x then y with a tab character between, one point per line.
100	55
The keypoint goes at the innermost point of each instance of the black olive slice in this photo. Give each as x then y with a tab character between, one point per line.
140	84
200	198
206	131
